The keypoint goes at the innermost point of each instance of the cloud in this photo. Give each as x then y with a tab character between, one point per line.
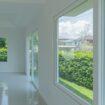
72	29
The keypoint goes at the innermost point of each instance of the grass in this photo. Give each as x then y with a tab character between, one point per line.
79	90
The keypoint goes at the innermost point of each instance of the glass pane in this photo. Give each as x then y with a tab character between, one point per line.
35	58
30	54
75	53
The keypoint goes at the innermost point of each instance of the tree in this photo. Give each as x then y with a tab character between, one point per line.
2	42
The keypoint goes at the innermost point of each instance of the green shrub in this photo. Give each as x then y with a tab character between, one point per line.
77	68
3	54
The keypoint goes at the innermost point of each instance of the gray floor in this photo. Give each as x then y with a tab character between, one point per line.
20	91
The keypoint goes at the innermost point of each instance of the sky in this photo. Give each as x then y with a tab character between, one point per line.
77	26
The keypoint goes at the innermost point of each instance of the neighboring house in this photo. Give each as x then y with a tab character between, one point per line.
69	43
75	43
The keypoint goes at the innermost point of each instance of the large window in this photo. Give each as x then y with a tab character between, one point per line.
3	50
75	53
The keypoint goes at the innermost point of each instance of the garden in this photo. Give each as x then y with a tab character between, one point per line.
3	50
76	72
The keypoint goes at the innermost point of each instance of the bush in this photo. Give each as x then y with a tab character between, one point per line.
77	67
3	54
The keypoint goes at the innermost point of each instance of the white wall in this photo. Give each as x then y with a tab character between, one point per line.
52	94
16	18
16	50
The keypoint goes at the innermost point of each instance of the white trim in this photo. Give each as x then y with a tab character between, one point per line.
70	93
55	43
99	52
69	8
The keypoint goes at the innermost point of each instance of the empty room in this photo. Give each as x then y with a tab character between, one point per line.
52	52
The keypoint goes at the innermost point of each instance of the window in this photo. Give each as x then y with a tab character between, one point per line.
33	57
3	50
75	53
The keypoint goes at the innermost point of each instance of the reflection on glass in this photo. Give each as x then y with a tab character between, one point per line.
35	56
75	52
33	53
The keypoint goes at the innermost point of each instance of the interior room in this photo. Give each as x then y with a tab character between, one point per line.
52	52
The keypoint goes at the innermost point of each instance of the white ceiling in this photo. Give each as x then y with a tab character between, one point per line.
19	14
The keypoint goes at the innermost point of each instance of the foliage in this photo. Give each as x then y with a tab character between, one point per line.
3	54
2	42
77	68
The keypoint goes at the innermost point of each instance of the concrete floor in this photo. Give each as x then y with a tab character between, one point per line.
20	91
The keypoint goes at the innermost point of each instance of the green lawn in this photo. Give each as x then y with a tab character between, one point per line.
79	90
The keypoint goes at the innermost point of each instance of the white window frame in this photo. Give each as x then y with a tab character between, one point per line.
99	52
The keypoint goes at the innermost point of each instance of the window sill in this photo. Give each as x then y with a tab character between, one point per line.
71	94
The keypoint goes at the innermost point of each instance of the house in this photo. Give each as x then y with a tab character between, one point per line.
21	21
69	43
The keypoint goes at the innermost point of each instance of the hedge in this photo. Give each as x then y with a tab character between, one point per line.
77	67
3	54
